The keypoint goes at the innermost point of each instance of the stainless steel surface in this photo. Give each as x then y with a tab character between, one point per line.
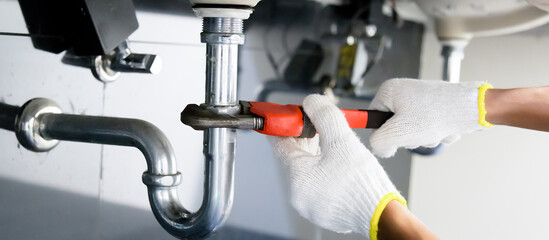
28	122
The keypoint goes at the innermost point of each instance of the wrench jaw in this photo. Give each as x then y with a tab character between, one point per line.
266	118
202	118
279	120
245	108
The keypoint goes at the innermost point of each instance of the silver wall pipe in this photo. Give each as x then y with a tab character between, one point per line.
113	131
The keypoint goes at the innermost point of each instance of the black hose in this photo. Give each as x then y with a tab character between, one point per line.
8	113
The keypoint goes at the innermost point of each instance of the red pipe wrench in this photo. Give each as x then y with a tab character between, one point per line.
274	119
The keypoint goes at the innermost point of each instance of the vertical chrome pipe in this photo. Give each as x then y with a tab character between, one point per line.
221	74
452	54
222	37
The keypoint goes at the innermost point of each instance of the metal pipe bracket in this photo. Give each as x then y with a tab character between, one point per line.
27	124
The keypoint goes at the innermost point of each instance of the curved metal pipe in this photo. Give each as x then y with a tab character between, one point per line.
113	131
161	177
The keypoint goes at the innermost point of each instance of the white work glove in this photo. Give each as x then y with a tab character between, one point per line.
426	113
336	182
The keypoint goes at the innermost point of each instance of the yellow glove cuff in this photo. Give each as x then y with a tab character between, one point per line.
482	106
374	228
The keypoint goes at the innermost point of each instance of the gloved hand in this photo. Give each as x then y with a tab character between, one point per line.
426	113
336	182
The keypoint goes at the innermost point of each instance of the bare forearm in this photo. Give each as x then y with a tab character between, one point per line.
519	107
397	222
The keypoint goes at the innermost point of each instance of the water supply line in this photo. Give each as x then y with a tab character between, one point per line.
39	125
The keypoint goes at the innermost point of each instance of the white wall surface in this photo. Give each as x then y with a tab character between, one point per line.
25	74
491	184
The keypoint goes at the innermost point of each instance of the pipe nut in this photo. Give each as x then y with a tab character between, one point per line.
161	180
102	71
27	124
222	38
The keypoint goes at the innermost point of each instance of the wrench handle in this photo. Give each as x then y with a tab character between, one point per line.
366	118
355	119
291	120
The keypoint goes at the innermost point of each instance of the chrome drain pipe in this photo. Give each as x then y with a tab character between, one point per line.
40	124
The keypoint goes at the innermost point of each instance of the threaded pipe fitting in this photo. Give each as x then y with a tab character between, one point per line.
223	25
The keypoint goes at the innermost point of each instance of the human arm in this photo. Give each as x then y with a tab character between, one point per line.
336	182
397	222
519	107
